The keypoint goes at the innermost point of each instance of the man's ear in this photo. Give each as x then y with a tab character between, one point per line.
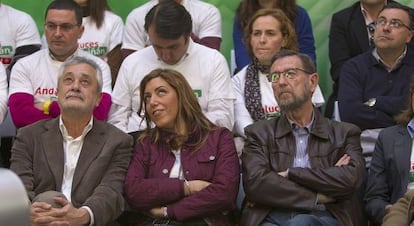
314	81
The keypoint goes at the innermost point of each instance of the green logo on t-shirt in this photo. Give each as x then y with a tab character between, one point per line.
198	93
6	50
97	51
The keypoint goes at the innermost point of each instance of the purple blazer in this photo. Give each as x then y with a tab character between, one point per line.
147	184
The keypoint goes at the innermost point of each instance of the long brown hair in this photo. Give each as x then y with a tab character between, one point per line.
286	28
247	8
96	10
189	117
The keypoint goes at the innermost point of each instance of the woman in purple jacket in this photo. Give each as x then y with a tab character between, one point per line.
185	170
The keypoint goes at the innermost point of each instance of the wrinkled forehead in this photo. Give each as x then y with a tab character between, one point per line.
285	63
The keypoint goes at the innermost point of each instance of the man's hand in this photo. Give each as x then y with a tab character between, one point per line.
388	208
43	214
323	199
157	212
344	160
39	213
283	173
39	105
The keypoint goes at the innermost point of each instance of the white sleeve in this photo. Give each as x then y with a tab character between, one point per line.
220	112
118	116
242	117
20	81
317	97
3	93
134	33
221	96
211	24
26	32
121	108
106	76
116	33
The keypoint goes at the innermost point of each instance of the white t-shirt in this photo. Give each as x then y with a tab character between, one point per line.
100	41
37	75
204	68
17	29
242	116
3	92
206	23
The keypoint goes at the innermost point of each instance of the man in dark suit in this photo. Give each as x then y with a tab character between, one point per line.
391	173
82	158
349	36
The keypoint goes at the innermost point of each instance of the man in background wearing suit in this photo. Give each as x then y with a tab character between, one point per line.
349	35
391	173
82	158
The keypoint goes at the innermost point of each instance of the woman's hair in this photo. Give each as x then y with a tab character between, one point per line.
189	116
286	28
96	10
247	8
407	114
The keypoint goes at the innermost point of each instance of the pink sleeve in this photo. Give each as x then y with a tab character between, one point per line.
102	110
23	111
212	42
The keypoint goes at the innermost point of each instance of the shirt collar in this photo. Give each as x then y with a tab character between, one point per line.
367	17
54	58
410	128
186	54
65	133
397	62
308	127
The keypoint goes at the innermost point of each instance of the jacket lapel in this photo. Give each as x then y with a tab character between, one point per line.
92	147
361	33
402	152
52	143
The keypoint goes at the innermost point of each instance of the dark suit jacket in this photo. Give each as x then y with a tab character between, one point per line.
348	37
38	159
388	175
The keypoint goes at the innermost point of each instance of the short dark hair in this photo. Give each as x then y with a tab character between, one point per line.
408	10
66	5
170	20
306	61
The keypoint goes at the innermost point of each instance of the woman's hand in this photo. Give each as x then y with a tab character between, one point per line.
194	186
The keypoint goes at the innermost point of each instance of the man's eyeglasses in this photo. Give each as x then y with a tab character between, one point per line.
289	74
394	23
65	27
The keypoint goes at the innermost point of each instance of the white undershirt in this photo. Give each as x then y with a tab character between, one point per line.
177	169
72	148
410	185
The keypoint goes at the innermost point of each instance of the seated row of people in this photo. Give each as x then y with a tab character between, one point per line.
75	168
292	87
185	169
